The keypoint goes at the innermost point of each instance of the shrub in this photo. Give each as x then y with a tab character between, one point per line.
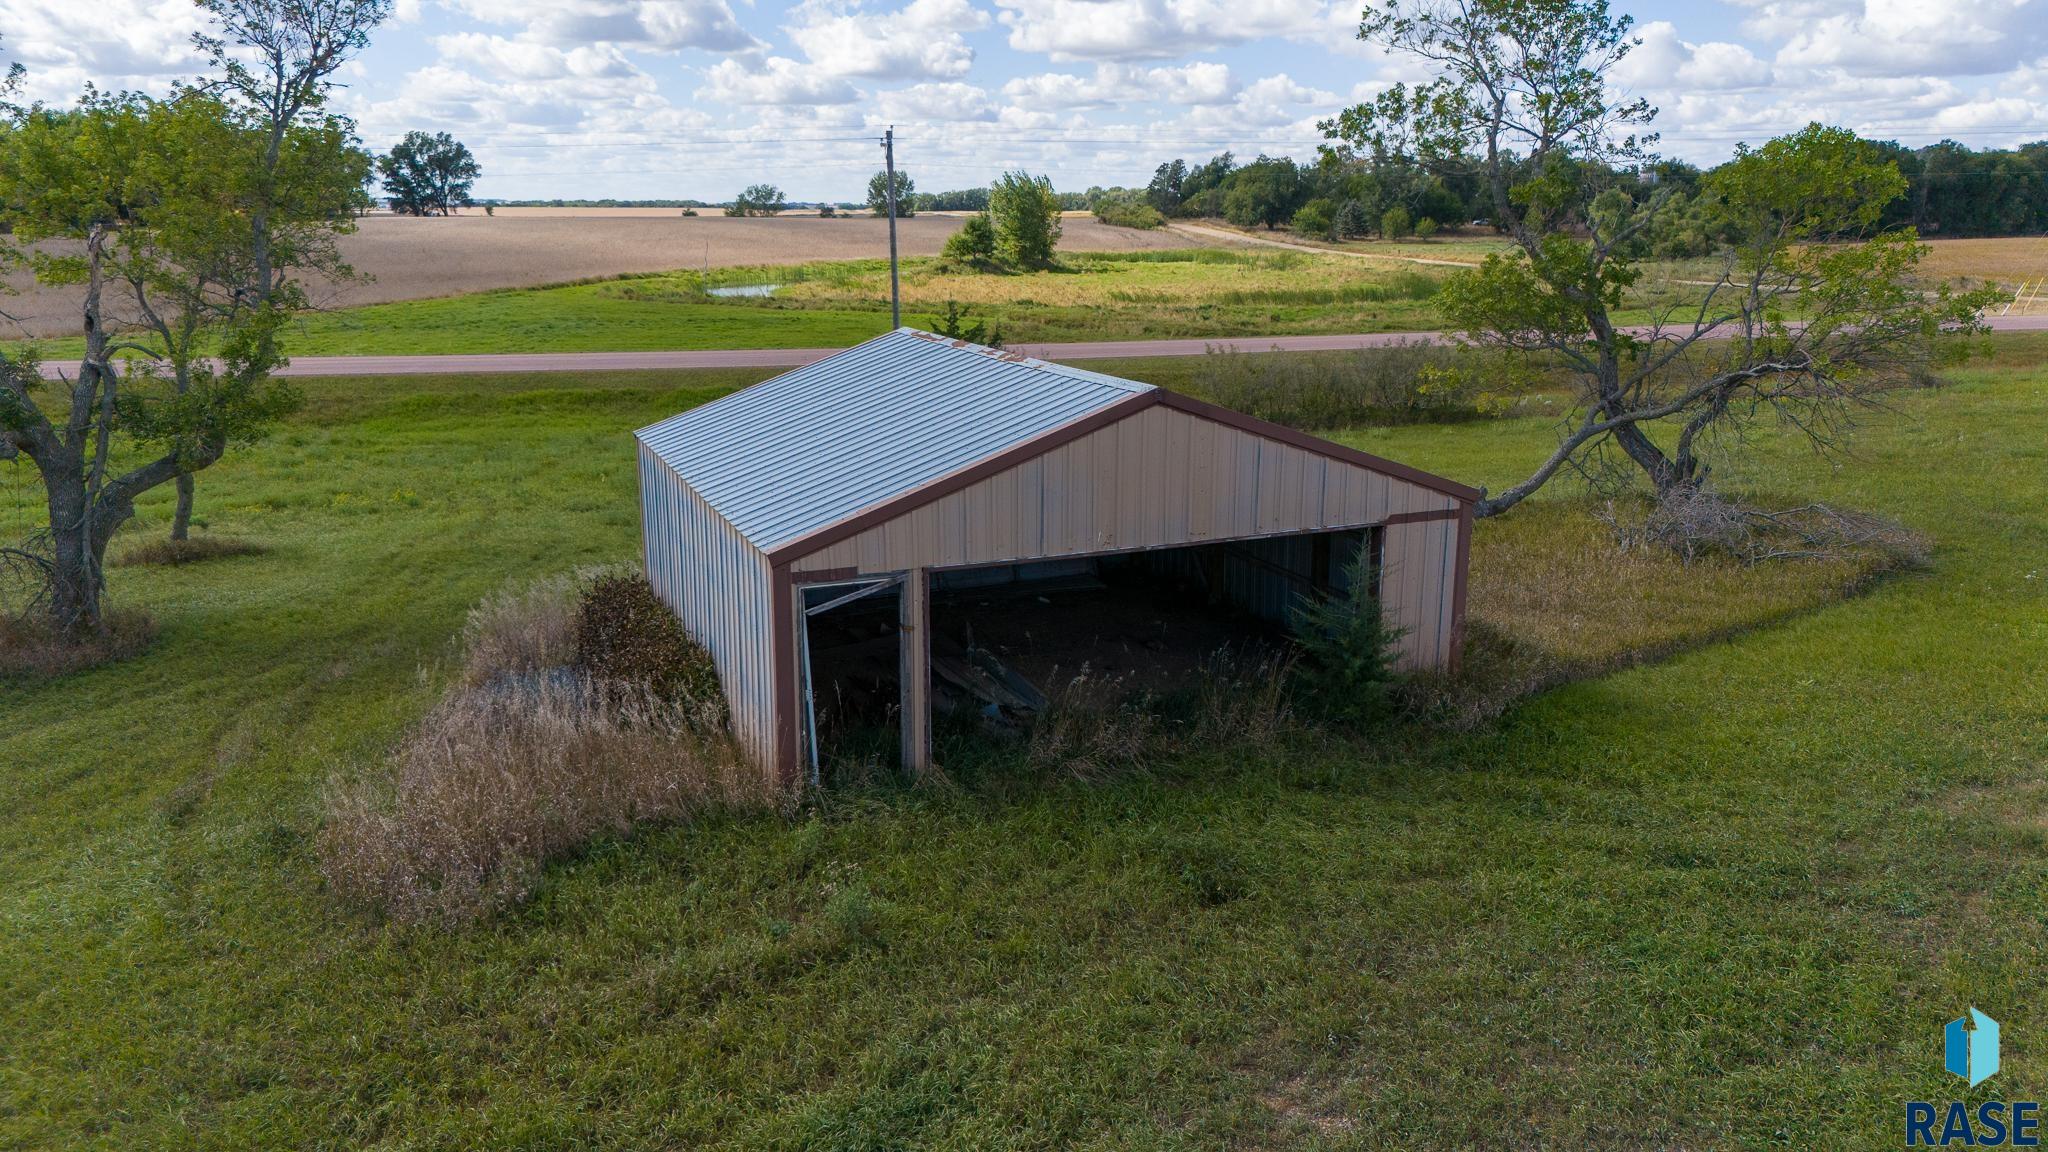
1425	228
1315	219
32	649
497	782
1346	672
1394	223
974	244
1128	210
1403	382
625	634
1351	221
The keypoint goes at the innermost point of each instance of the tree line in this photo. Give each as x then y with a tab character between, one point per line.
1950	190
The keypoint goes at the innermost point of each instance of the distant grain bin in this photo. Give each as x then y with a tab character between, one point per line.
913	465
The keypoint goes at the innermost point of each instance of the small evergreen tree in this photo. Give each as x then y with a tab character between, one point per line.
1346	674
1352	221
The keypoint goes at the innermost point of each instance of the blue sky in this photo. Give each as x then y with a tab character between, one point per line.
696	98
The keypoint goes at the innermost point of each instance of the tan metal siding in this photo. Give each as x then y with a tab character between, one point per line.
1156	478
719	585
1418	586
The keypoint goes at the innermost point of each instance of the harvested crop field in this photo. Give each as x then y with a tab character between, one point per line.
411	258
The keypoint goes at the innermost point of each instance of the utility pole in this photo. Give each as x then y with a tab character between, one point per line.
895	287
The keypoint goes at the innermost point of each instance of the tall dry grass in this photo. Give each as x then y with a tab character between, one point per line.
496	782
521	631
1094	729
525	760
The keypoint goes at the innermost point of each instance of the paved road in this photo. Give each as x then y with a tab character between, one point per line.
796	357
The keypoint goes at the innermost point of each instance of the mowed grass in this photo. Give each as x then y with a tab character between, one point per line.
1725	900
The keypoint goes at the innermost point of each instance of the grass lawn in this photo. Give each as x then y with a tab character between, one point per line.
1725	900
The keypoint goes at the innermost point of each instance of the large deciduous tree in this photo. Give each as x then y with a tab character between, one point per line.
878	194
188	221
1026	215
1812	313
428	174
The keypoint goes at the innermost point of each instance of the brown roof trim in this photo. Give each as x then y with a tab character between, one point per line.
1432	514
1318	445
831	534
824	576
950	483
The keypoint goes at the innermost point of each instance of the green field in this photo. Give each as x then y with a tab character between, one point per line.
1727	900
1091	296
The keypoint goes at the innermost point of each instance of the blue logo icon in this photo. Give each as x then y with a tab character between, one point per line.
1971	1047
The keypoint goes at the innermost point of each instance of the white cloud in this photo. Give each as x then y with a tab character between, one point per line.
1903	37
658	25
936	102
1266	103
115	44
521	59
921	40
1136	29
1664	61
1114	84
774	80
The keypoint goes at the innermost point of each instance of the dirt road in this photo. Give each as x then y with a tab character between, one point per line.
796	357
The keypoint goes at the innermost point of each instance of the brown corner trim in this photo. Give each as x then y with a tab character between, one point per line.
782	634
785	554
1459	581
1318	445
1432	514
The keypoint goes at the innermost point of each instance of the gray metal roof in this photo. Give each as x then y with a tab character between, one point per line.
812	447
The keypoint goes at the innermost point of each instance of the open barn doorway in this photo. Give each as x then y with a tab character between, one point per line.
1149	623
849	641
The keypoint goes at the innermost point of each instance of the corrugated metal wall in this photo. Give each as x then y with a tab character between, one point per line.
1418	586
719	585
1157	478
1161	478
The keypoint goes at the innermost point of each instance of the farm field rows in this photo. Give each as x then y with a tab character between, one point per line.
410	258
1723	900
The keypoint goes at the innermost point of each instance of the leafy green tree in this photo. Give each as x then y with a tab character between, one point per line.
1534	74
1266	191
1026	215
1164	192
1394	223
758	200
188	222
878	194
1315	219
428	174
1425	228
974	244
